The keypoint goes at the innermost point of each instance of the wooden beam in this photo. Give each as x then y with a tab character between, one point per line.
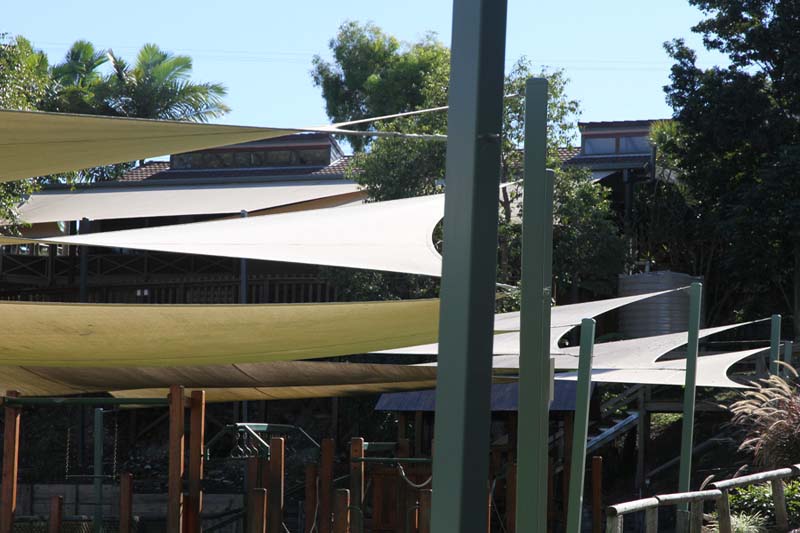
326	485
197	433
176	465
10	465
511	496
341	517
311	498
126	502
257	511
357	471
597	494
277	460
54	522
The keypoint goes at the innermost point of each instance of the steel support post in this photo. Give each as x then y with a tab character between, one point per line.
581	427
535	379
774	343
83	280
176	460
97	472
687	434
787	356
243	272
469	265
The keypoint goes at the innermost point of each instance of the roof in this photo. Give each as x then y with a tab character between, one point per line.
567	152
142	172
610	162
504	398
619	123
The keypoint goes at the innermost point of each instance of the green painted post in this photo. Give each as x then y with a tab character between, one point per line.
461	468
534	371
98	471
774	343
581	427
787	355
687	434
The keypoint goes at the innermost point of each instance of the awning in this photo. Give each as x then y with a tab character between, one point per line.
136	201
34	143
599	175
394	236
712	371
117	335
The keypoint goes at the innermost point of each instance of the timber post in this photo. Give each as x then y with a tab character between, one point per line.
10	465
197	432
310	505
341	518
126	502
275	484
176	460
325	494
357	471
54	521
257	511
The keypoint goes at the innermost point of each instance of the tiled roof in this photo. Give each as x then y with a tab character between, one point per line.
632	160
567	152
142	172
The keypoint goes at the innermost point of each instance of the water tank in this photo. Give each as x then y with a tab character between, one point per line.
668	313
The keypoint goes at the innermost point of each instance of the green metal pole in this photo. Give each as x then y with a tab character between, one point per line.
581	427
535	379
787	355
98	471
461	467
774	343
687	434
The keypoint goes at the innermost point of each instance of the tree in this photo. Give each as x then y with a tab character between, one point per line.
158	86
390	167
736	147
77	80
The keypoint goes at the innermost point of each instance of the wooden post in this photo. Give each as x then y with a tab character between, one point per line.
277	455
326	485
779	499
10	465
257	511
511	497
197	433
176	466
651	520
341	517
56	514
724	513
401	426
311	499
597	494
357	471
614	524
126	502
425	511
696	517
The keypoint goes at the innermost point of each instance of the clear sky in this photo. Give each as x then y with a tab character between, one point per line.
611	50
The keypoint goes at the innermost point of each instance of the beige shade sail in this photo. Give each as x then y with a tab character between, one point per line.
394	236
117	335
712	371
34	143
137	201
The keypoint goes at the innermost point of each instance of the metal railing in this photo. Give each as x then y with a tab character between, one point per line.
717	491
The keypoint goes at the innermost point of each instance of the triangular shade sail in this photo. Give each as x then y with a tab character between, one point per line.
712	371
394	236
136	201
37	144
62	335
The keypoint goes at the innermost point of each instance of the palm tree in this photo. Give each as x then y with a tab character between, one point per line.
81	65
158	86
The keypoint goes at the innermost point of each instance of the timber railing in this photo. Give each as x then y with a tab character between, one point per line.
717	491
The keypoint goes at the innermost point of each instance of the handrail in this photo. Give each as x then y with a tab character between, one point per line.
717	491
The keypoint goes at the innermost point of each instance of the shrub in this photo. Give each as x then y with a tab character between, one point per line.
757	500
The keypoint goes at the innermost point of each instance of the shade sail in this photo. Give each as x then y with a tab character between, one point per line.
136	201
45	334
712	371
37	144
395	236
563	319
630	353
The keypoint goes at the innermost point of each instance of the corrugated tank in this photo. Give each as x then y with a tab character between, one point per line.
668	313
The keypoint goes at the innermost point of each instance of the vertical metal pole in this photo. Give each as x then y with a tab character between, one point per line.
581	427
97	473
687	434
774	343
243	271
469	265
534	372
787	355
84	264
176	458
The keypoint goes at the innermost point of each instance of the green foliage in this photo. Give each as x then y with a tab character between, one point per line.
741	523
736	150
757	500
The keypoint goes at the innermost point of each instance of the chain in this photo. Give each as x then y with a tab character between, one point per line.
66	455
116	445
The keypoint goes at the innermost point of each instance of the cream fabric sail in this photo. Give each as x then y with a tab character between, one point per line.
394	236
712	371
137	201
117	335
34	143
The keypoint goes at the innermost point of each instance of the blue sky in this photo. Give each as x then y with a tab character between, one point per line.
612	51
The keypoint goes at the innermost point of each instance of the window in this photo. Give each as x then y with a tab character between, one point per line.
634	145
599	145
